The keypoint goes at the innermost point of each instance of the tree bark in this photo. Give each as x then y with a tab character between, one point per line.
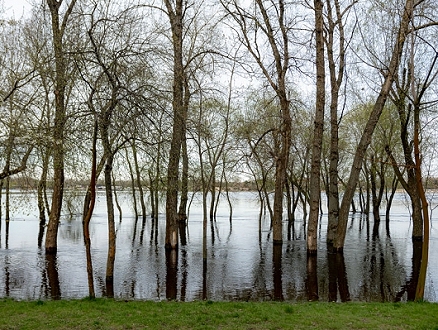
179	122
87	216
58	29
315	172
336	79
419	293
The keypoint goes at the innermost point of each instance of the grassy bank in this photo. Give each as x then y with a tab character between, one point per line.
110	314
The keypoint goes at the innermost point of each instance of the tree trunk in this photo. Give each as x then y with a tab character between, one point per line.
182	212
212	185
58	29
419	294
336	79
139	184
41	192
116	198
179	123
87	216
315	172
134	196
104	126
109	277
278	42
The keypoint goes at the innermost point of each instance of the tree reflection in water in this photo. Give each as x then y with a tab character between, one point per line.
243	263
53	276
278	273
411	283
171	274
312	278
338	281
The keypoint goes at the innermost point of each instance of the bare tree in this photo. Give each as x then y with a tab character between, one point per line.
175	12
59	25
315	171
269	23
389	74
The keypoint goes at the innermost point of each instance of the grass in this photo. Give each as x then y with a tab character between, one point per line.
113	314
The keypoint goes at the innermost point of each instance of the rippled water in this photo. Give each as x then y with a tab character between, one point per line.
242	262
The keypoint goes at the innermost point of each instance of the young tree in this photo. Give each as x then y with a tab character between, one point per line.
335	42
315	171
389	74
269	24
59	25
175	12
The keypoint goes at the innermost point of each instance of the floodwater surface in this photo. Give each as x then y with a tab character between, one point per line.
242	263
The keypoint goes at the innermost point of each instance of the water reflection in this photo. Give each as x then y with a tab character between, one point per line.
53	276
312	278
409	288
338	281
7	276
277	254
184	272
242	263
171	274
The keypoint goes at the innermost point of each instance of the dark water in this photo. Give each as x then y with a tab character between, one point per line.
242	262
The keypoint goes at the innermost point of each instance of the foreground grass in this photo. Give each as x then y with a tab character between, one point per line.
112	314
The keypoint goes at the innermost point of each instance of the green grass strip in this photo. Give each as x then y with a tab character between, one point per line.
114	314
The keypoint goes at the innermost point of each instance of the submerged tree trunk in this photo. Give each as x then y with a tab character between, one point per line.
315	172
179	122
336	79
419	294
87	217
377	186
109	277
42	193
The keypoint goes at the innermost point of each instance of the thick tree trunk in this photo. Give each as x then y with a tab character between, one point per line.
419	293
371	124
58	29
336	79
315	172
109	276
179	123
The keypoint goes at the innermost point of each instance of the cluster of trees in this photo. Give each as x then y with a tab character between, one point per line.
333	96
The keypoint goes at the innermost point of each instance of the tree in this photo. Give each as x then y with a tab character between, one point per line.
269	23
389	75
112	97
335	40
59	25
315	171
175	14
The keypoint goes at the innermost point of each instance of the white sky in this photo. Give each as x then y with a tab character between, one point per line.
15	8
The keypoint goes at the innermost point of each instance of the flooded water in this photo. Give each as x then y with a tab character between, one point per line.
242	262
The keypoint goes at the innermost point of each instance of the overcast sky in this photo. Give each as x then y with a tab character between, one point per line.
16	8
